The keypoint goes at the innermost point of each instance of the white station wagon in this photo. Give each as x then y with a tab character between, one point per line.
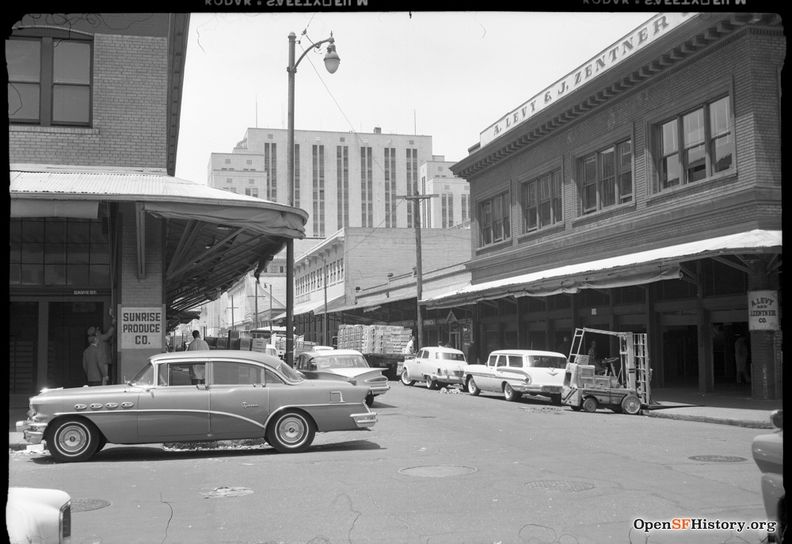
513	373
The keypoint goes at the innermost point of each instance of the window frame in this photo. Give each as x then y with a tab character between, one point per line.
710	135
605	182
48	40
555	200
488	223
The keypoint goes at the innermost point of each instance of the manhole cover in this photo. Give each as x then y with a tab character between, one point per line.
561	485
225	492
86	505
718	458
437	471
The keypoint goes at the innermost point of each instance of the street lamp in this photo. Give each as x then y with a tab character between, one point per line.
331	61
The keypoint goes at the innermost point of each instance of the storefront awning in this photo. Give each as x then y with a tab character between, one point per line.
317	307
213	237
620	271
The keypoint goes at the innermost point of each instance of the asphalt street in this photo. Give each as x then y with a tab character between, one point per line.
439	467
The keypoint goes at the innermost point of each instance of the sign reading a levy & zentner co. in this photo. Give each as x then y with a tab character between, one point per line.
763	310
141	328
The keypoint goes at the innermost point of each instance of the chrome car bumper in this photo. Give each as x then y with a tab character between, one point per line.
365	420
379	389
538	389
32	432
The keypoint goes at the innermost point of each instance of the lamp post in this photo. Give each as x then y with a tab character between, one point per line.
331	61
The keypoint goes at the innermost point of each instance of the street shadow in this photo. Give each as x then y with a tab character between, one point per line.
134	454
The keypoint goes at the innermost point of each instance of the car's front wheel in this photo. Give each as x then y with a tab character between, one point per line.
291	432
509	393
405	378
72	439
472	388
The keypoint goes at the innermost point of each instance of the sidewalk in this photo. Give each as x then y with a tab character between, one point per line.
729	407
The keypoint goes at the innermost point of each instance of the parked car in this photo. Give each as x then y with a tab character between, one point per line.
516	372
342	364
196	396
38	516
435	366
768	453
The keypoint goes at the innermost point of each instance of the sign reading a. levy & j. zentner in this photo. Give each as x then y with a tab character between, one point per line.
763	310
633	42
141	328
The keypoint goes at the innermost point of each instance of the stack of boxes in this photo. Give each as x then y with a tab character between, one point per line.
382	339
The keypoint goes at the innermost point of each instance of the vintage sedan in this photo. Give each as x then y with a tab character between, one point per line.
515	372
197	396
768	454
343	364
38	516
435	366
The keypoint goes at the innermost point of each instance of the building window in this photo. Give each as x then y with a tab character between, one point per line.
412	180
447	210
64	252
694	145
296	188
228	161
366	188
248	161
493	219
541	201
271	170
465	207
318	191
390	187
342	167
251	191
606	177
49	80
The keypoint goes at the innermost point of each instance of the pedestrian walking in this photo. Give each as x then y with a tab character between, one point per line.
197	343
94	366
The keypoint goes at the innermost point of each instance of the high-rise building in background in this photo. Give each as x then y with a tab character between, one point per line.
342	179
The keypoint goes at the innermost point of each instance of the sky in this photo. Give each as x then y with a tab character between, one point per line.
448	75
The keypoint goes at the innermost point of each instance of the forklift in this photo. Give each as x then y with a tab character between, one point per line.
620	383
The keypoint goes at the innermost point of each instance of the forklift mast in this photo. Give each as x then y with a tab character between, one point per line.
634	371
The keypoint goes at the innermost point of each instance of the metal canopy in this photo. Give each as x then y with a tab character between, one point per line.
211	237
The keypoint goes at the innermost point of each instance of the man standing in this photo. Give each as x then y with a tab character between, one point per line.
197	343
93	363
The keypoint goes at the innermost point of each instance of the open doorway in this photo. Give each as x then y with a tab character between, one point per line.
680	355
725	340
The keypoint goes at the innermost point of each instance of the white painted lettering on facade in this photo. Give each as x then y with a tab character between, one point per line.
639	38
763	310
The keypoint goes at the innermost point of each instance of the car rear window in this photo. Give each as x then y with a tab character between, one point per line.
547	361
451	356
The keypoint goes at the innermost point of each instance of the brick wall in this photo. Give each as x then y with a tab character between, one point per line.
746	67
129	112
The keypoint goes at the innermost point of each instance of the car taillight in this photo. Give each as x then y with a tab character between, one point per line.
65	523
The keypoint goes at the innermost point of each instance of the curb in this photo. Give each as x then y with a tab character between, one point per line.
705	419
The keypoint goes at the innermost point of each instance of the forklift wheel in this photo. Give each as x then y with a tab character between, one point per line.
590	404
631	405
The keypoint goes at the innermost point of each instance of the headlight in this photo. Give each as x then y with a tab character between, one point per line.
527	379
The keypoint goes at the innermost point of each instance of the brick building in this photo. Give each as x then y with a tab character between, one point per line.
100	230
640	192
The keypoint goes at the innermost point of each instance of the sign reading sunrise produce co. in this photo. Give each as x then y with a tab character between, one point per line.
638	39
141	328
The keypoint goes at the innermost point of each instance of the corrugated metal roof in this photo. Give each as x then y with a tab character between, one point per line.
77	182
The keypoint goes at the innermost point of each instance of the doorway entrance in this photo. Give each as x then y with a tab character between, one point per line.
680	355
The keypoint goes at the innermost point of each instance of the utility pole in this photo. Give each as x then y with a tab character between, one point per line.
416	202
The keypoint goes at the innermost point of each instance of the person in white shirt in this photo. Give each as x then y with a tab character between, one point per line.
197	343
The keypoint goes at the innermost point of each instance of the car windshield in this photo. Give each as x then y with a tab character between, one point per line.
451	355
547	361
289	373
340	361
145	376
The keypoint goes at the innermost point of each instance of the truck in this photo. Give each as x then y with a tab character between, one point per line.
621	383
383	346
